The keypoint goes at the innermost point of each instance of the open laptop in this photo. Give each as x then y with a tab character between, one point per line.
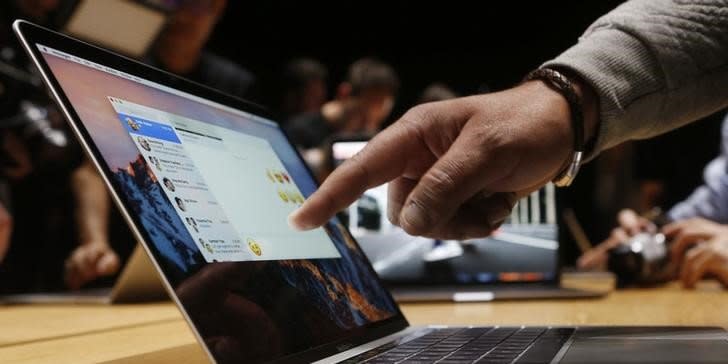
519	261
137	282
251	288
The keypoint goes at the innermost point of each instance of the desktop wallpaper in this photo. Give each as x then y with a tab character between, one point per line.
252	311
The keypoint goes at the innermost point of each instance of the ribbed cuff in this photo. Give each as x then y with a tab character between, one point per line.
620	69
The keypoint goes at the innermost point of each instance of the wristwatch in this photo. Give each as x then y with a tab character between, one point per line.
560	83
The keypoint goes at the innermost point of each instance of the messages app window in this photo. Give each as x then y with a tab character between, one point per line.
231	189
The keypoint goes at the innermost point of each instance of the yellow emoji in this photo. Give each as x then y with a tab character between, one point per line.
283	196
270	175
254	247
291	196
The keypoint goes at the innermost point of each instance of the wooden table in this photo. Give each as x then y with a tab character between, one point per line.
156	333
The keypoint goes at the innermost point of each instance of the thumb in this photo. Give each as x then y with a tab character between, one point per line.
108	264
455	178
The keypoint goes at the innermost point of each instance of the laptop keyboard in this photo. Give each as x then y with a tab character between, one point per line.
501	345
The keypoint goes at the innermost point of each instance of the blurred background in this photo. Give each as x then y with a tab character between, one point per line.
296	59
471	48
467	46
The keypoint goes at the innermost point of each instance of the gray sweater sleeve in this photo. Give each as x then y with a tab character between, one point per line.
655	66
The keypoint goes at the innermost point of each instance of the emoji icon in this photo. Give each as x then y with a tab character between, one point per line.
254	247
291	196
279	177
283	196
299	198
270	175
285	177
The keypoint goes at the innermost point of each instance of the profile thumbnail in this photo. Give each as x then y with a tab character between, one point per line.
156	163
191	222
168	183
133	124
144	144
180	204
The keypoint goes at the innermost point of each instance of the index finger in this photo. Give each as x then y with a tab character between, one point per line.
673	228
384	158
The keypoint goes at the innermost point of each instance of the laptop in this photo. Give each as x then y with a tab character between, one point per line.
251	288
137	282
518	261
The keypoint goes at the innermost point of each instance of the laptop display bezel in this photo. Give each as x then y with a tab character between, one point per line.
32	35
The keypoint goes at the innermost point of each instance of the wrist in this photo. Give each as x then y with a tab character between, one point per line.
97	242
564	86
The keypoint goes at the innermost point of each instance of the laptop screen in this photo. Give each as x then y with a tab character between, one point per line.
523	250
210	188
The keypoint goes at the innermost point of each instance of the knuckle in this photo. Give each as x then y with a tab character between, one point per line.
440	180
417	114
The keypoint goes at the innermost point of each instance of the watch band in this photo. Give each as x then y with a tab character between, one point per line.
563	85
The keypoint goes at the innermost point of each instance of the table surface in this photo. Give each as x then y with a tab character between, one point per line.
156	333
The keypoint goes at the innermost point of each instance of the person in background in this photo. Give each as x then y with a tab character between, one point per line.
180	49
40	220
666	174
698	225
304	87
6	229
456	168
436	92
77	247
363	102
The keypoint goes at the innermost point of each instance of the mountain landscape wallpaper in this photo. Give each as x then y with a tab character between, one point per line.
245	311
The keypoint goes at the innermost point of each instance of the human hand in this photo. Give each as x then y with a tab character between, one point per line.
456	167
707	259
88	262
684	234
630	224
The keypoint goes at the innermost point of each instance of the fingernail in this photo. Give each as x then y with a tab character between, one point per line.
498	218
413	218
296	224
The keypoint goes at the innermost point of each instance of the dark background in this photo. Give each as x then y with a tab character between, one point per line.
463	44
469	46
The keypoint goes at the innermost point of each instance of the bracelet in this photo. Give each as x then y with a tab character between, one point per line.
557	81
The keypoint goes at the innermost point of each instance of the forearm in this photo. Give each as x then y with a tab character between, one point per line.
654	65
92	204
